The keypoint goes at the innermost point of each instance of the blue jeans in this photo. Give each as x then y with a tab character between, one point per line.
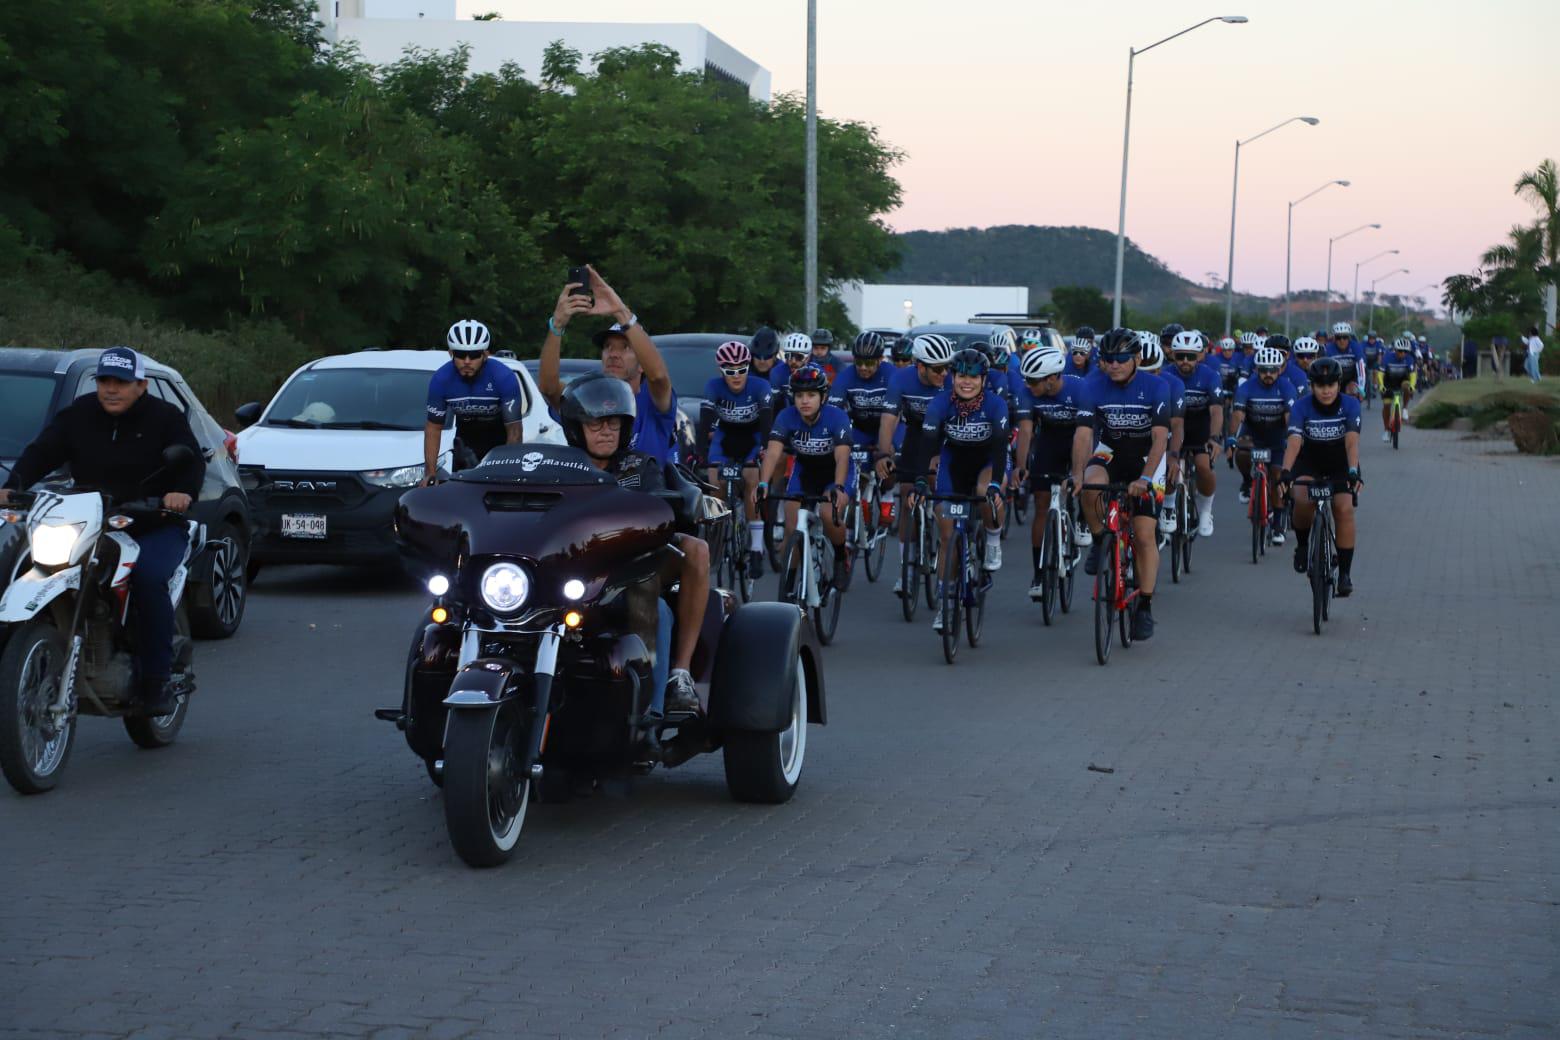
663	656
1530	363
162	550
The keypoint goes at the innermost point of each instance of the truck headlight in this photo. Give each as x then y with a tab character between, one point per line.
399	477
505	587
52	543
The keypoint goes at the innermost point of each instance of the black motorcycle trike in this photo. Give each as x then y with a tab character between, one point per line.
530	679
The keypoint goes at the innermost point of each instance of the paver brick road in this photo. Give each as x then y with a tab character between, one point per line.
1352	835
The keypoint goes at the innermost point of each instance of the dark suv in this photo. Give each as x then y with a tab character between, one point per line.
34	384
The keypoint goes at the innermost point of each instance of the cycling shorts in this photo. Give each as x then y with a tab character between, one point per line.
734	445
814	480
1049	456
1122	468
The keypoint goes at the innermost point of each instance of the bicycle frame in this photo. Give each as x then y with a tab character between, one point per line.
810	527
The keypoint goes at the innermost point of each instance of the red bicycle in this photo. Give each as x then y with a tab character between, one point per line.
1257	510
1115	586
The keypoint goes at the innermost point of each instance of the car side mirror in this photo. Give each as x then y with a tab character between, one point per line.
247	414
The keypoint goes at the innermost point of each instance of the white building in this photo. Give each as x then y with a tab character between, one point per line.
383	29
901	306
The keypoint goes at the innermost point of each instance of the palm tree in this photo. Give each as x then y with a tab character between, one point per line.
1541	188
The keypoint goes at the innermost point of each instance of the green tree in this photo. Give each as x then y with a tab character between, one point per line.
1541	188
1081	305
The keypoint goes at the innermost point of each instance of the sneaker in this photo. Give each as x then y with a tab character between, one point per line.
755	564
1245	491
1037	590
1092	564
1167	520
1205	522
1345	585
1278	537
1386	437
1081	536
1405	414
993	551
937	619
1143	623
1301	562
899	586
682	698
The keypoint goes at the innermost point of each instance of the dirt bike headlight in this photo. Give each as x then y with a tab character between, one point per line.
505	587
52	543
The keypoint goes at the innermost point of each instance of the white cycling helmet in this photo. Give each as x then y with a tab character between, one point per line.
1002	336
1227	343
1043	361
1269	357
932	349
1250	339
1031	338
797	343
1342	328
1403	343
1186	343
1305	346
468	335
1150	354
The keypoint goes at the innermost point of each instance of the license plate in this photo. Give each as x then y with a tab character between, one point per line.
957	510
1320	491
303	525
1261	455
731	471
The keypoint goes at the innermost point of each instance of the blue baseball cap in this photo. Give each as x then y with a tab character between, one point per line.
121	363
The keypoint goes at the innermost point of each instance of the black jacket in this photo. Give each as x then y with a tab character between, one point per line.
113	453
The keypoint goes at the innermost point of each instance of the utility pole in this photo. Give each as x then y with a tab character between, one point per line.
811	310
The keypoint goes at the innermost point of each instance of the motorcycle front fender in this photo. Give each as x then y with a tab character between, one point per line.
487	682
30	594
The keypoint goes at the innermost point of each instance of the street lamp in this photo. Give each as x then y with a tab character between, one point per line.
1389	274
1289	243
810	246
1327	321
1416	292
1354	306
1126	138
1229	278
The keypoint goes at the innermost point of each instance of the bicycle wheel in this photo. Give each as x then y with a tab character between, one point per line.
877	534
1048	574
826	617
1192	520
791	572
774	530
909	572
1317	565
1066	565
952	604
1104	601
737	555
975	578
1397	425
931	547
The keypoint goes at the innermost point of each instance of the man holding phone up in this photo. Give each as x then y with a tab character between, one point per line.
626	352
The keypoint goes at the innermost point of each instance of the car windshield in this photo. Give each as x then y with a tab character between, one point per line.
24	405
352	398
691	369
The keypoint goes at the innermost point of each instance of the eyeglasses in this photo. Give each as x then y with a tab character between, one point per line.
466	355
733	370
1268	371
1116	359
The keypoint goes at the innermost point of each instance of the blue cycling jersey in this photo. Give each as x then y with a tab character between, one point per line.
1055	418
1177	392
1081	365
970	435
1266	408
737	417
813	444
481	405
1124	415
864	400
1396	368
1322	430
908	397
1201	391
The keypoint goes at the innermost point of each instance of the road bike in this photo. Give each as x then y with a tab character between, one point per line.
1183	505
1115	587
866	529
1258	509
1322	553
918	557
1395	415
805	558
733	569
964	590
1058	550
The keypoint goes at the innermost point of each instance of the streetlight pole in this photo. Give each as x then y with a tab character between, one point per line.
1389	274
1327	321
1289	244
811	278
1354	305
1229	278
1126	139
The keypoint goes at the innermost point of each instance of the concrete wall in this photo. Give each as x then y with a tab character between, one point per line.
883	306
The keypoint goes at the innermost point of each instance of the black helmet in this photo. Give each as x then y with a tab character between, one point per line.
809	378
971	361
1084	332
904	348
1119	341
1171	331
1261	330
765	345
823	337
1325	371
868	347
1277	342
596	396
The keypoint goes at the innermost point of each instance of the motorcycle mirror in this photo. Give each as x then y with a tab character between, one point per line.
247	414
176	455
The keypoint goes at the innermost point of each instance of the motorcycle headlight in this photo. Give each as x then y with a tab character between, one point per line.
52	543
399	477
505	587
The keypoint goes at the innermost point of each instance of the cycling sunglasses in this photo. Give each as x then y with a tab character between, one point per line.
1116	359
467	355
733	370
1269	371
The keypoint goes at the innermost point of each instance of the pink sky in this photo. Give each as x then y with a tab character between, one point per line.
1432	109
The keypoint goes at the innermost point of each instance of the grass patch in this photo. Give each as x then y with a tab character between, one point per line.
1484	402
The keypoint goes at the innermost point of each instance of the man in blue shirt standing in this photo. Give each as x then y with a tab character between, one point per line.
480	391
627	353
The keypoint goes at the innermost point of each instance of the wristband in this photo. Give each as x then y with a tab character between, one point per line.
633	319
552	327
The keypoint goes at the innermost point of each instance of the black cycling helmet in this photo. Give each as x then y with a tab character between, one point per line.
904	348
1171	331
1084	332
765	345
868	347
823	337
597	396
1119	341
809	378
1325	371
1277	343
971	361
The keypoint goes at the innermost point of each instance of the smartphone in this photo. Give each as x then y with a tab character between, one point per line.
580	275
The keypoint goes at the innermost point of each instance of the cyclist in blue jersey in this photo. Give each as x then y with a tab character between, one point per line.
1350	353
737	413
1151	359
1304	351
1249	342
1081	355
862	391
910	391
823	352
1047	420
965	438
818	435
1292	370
903	352
480	391
795	354
1262	406
1203	411
1122	436
1397	372
764	348
627	353
1324	446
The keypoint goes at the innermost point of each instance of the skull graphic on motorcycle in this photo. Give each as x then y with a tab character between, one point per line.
530	461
